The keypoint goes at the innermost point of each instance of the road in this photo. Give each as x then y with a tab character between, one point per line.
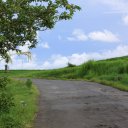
77	104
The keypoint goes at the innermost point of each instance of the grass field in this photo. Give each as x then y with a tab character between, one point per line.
25	106
112	72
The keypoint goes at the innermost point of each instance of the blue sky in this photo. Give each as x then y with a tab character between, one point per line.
98	31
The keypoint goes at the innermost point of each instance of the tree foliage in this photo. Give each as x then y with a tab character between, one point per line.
21	19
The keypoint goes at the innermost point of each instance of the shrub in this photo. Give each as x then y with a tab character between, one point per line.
29	83
3	82
6	102
6	99
71	65
8	122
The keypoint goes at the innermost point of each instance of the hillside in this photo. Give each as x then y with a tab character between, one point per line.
112	72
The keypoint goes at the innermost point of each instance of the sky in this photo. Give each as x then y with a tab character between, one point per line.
98	31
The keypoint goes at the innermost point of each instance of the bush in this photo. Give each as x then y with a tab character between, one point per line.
71	65
6	102
6	99
8	122
29	83
3	82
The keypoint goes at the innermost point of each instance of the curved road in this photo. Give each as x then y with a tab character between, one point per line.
77	104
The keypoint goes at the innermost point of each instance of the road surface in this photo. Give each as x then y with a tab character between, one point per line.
77	104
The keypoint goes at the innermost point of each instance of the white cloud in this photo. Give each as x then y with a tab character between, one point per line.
25	48
78	35
55	61
44	45
125	20
121	50
14	58
105	36
58	61
21	62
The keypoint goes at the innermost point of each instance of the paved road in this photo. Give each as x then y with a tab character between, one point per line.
76	104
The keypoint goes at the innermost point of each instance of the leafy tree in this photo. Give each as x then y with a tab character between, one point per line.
21	19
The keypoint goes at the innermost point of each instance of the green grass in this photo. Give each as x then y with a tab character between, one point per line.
112	72
25	104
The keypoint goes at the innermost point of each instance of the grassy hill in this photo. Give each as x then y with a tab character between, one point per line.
112	72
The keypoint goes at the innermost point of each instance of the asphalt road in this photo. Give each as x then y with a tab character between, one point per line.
77	104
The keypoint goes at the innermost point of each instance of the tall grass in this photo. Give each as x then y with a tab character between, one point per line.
104	68
113	70
25	106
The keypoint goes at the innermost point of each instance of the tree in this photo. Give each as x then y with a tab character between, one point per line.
21	19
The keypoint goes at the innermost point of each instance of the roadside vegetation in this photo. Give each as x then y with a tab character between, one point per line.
112	72
17	103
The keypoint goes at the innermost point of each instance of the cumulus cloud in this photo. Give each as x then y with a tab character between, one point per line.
105	36
78	35
58	61
55	61
44	45
21	62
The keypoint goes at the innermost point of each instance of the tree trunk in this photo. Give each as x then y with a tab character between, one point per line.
6	68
